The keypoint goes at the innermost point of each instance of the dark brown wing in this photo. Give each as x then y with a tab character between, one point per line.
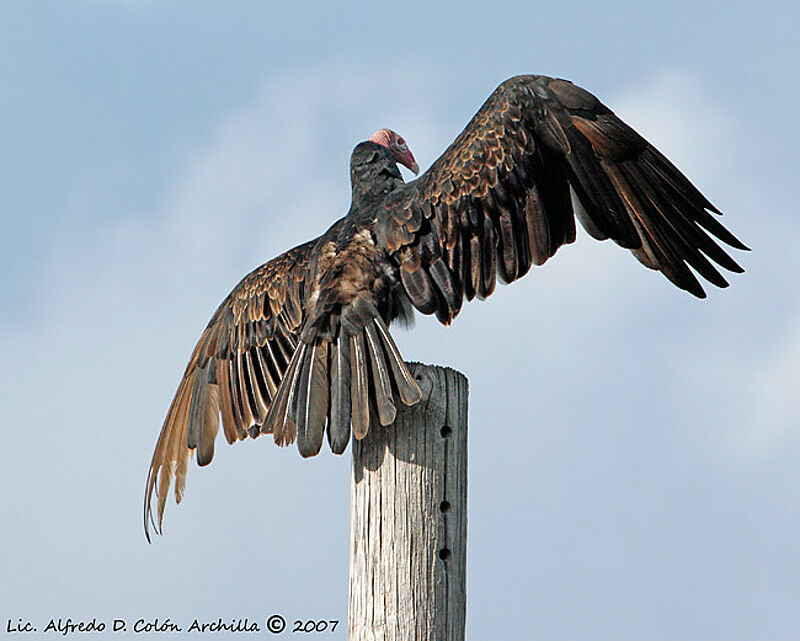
499	199
234	372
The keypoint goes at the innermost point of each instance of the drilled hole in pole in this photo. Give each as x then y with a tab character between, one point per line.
446	431
444	506
444	554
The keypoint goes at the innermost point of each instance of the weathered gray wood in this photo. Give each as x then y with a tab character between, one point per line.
408	535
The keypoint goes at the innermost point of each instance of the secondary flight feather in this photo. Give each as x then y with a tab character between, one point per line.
301	347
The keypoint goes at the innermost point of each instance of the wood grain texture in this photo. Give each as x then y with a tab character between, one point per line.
409	518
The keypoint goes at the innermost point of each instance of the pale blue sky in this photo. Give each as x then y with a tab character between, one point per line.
633	451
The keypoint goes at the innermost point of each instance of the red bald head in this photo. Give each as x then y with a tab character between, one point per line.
395	144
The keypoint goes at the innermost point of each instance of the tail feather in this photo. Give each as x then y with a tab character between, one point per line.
359	388
352	382
339	424
381	384
312	404
407	387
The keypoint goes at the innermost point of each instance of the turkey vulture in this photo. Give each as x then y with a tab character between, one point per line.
301	346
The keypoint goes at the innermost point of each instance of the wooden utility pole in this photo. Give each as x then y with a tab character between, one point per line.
408	534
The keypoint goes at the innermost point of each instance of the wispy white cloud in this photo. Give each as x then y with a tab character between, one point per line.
682	118
776	393
747	363
734	361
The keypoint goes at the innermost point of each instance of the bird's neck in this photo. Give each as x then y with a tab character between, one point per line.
372	177
375	186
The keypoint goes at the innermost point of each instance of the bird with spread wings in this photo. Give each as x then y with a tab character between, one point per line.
301	347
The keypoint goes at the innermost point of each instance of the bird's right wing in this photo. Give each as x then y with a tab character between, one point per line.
498	199
234	371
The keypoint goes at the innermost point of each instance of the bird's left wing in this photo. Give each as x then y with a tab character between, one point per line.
234	371
499	199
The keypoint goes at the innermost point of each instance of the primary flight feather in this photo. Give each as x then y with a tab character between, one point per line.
301	346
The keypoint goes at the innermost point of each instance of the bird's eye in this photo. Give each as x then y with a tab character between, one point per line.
401	142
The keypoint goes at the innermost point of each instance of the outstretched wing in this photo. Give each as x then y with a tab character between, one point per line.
499	199
234	372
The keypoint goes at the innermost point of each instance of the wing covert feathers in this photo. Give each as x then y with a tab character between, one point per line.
500	200
350	383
